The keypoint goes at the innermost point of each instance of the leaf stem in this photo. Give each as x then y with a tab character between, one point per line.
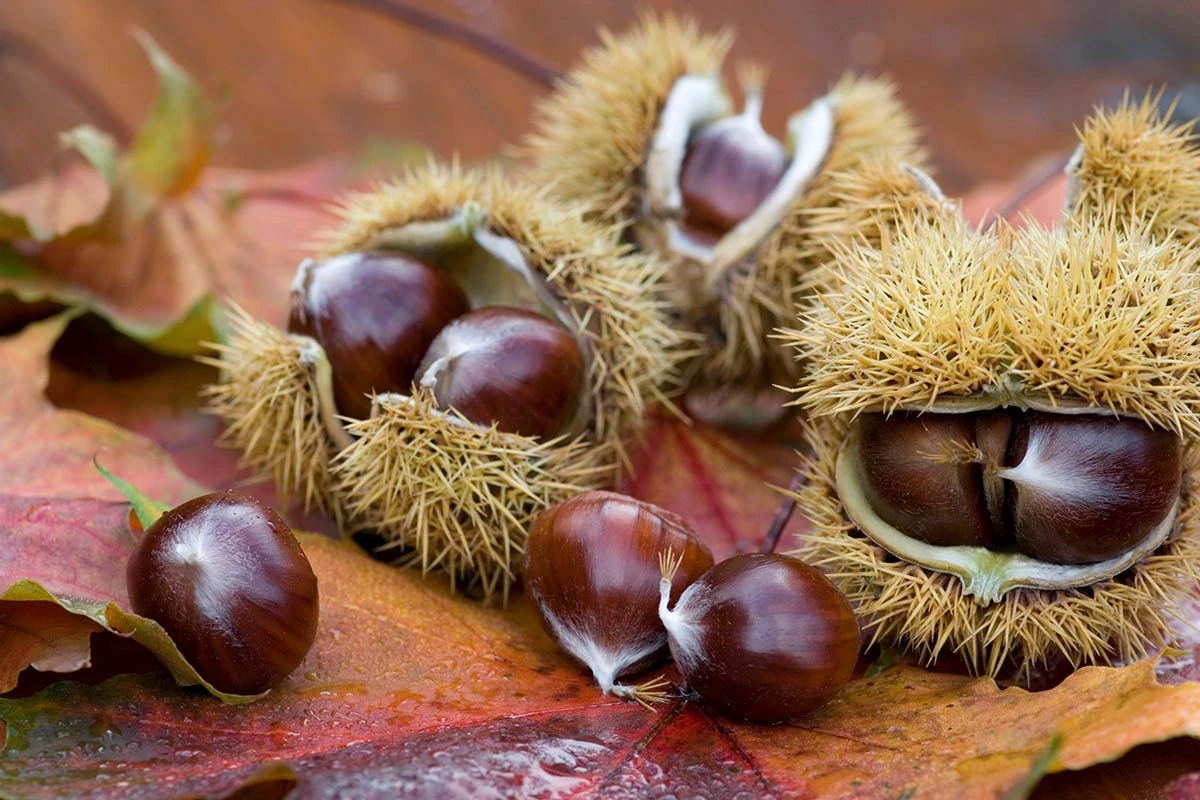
782	516
501	52
1034	184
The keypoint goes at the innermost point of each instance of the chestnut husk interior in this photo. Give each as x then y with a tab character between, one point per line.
986	574
704	268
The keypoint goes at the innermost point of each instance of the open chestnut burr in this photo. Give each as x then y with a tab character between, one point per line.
465	354
643	134
1004	423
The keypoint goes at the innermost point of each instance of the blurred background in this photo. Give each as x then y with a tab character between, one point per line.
996	85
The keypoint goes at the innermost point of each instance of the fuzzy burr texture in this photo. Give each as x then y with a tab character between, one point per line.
1101	312
453	496
1077	312
592	143
593	132
1135	168
270	401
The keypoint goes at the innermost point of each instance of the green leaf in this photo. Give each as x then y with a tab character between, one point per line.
187	335
173	143
97	147
148	511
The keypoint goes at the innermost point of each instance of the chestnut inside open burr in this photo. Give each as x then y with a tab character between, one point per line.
390	323
1063	488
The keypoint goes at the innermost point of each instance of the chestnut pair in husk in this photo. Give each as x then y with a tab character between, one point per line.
465	354
618	583
1004	423
643	134
388	321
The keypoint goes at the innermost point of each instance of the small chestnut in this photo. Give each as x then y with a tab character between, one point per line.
375	315
763	637
591	569
507	366
226	579
728	169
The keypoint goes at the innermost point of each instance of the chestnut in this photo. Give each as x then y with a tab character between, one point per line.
226	579
506	366
375	314
763	637
1085	488
728	169
591	569
922	476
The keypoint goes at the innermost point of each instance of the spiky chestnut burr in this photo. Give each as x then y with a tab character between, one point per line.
591	569
226	579
375	315
763	638
506	367
1090	326
444	490
638	134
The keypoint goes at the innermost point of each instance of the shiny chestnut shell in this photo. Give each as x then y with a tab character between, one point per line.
763	637
507	366
1085	488
375	314
1063	488
728	170
592	571
227	580
913	483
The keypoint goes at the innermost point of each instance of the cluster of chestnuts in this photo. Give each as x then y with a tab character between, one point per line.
619	583
388	321
1060	488
464	354
226	579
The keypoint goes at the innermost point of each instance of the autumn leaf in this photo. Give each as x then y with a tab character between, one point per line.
1037	195
151	238
410	688
720	483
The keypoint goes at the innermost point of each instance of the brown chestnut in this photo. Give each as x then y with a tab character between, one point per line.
375	315
728	169
591	569
763	637
226	579
1085	488
922	476
507	366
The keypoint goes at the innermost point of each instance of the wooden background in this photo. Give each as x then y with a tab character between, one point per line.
996	84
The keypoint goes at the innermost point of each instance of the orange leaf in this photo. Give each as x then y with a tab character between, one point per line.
149	238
